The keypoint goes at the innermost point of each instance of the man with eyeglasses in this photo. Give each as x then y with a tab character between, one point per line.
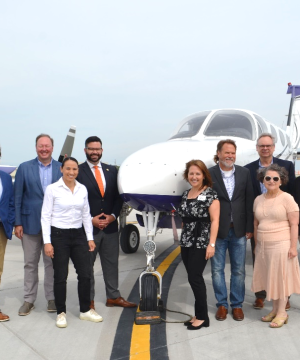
31	181
265	146
105	203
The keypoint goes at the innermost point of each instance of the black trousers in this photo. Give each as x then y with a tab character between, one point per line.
194	262
70	244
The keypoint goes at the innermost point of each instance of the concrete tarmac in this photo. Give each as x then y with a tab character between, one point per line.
35	336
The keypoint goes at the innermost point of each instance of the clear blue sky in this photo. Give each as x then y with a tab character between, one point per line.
129	71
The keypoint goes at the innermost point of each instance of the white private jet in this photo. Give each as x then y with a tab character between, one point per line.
150	180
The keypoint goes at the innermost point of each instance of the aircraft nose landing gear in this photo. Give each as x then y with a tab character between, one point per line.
150	280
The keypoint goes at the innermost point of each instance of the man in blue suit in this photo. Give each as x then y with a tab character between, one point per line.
31	181
265	147
7	219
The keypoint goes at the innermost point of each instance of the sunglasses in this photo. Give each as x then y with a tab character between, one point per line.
274	178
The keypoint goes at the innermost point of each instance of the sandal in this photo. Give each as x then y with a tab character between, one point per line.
279	322
268	317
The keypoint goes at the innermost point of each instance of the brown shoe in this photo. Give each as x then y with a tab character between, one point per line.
258	303
238	314
92	305
120	302
3	317
288	305
221	314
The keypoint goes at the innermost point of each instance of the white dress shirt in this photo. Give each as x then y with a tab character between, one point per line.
65	210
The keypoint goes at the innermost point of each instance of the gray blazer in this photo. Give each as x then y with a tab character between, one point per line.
241	204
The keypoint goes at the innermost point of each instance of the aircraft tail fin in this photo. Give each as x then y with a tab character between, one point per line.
68	144
293	122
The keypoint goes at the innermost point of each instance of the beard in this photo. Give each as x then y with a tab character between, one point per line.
93	158
228	163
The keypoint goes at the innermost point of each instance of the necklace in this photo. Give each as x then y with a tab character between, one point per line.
271	205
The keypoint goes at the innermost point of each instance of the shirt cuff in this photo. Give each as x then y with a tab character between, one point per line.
89	236
47	239
113	215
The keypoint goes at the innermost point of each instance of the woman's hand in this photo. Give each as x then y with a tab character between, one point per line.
92	245
210	252
292	252
49	251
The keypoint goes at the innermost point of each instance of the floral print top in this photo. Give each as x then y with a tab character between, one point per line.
196	208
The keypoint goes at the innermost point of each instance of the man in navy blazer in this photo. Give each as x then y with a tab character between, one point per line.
31	180
7	219
265	147
105	209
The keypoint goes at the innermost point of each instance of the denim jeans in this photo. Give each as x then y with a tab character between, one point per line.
237	254
70	243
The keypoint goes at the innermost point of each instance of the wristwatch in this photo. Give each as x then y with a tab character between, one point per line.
212	245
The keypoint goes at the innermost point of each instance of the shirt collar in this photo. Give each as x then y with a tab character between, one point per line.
260	165
223	172
61	183
42	165
92	165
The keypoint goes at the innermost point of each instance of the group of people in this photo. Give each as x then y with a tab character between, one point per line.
228	205
69	211
64	211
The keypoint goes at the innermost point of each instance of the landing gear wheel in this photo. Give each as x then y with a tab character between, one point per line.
149	293
130	239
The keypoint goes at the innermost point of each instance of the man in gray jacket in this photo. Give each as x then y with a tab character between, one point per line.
234	188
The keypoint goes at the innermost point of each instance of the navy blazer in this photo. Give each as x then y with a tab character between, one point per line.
111	203
29	195
7	206
240	205
288	165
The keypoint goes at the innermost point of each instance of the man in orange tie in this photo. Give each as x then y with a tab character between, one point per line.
105	205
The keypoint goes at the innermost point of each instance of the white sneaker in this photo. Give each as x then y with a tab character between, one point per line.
90	315
61	320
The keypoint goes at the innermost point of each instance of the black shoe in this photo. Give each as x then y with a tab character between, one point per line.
187	323
204	324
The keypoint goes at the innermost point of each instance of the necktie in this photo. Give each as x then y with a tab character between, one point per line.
99	180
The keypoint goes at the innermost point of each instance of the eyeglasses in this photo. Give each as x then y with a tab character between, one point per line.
274	178
44	147
265	146
93	149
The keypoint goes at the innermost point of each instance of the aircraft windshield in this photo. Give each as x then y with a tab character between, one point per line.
231	123
191	126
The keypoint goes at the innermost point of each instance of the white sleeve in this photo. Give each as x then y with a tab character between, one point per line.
86	219
47	214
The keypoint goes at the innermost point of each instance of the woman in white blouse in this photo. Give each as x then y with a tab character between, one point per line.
65	210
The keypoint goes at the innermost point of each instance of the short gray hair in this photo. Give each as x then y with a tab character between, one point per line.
282	172
264	135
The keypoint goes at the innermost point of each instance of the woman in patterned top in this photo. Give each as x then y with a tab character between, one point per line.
200	212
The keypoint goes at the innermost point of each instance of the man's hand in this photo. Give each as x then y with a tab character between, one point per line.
92	245
49	251
102	223
249	236
19	231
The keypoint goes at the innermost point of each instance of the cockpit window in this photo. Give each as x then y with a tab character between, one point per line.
191	126
231	123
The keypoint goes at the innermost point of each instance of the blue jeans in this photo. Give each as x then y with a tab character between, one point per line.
237	254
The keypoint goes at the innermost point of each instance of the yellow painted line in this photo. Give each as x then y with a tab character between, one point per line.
140	338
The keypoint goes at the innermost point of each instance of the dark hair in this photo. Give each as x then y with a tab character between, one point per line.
92	139
200	164
282	172
68	158
44	135
220	145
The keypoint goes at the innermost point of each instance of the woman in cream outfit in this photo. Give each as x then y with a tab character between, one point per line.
276	269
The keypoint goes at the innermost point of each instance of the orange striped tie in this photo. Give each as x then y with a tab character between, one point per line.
99	180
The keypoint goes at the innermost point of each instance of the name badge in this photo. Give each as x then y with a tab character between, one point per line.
201	197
